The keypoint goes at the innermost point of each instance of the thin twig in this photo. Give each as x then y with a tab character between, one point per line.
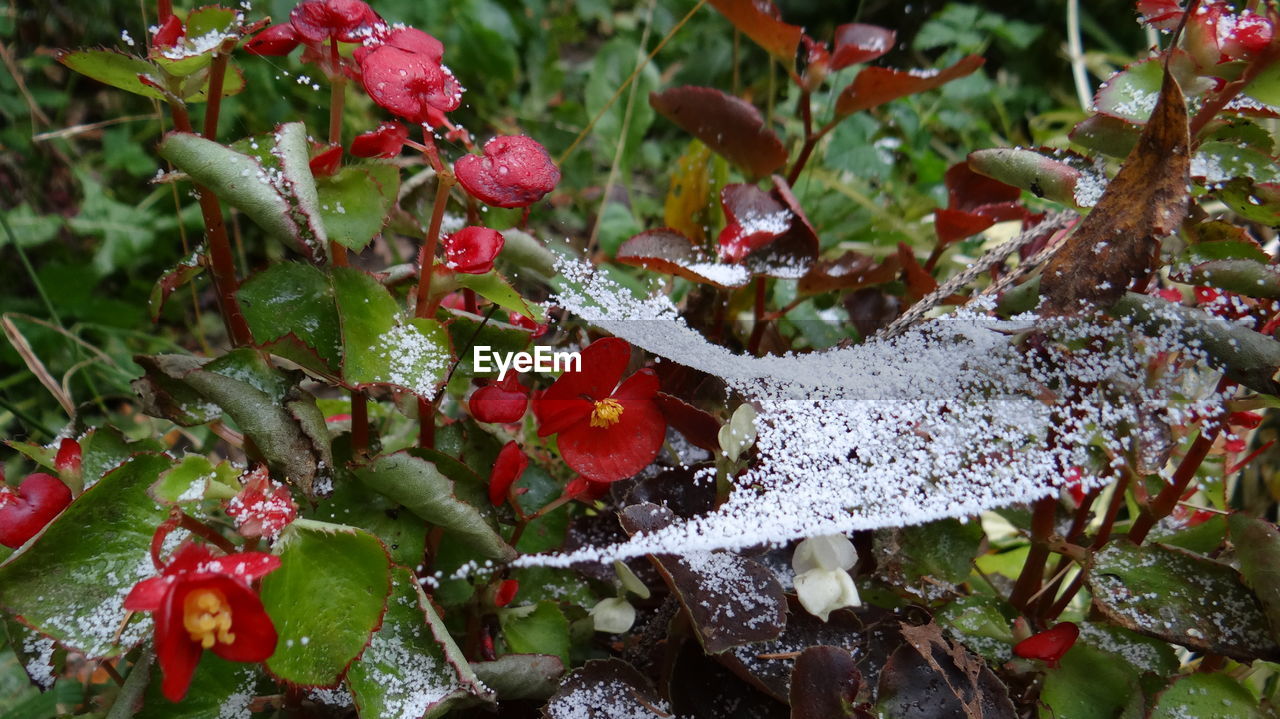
37	367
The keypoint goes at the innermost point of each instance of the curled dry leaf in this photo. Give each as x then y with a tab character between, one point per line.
731	126
875	86
1145	201
929	670
850	271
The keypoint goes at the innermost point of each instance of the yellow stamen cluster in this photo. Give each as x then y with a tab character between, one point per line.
606	413
207	617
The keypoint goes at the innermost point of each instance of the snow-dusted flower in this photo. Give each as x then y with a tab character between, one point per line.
263	508
822	579
613	615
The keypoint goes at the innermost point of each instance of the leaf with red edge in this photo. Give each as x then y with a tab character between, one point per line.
718	589
760	21
969	190
326	600
767	231
850	271
699	427
731	126
858	42
175	277
955	225
1059	175
668	251
875	86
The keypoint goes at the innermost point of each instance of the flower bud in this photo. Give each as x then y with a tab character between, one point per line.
613	615
822	591
830	552
472	250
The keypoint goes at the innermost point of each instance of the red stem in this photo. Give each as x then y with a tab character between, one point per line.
204	531
217	76
1165	502
1033	569
1231	90
359	423
164	8
1104	536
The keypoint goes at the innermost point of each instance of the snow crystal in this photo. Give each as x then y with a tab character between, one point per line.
409	682
126	37
40	666
413	360
614	700
946	420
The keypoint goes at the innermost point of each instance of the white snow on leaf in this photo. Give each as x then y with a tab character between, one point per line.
949	419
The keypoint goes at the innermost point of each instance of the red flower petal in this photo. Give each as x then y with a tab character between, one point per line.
39	499
642	385
255	634
572	397
510	464
345	20
619	451
1049	645
525	323
586	490
504	401
516	171
414	40
409	84
384	142
327	162
472	250
244	567
275	41
175	652
147	595
169	33
506	592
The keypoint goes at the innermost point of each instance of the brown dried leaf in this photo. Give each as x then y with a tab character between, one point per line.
1147	200
670	252
729	125
930	671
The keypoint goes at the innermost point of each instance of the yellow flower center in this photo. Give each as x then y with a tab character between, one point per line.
606	413
207	617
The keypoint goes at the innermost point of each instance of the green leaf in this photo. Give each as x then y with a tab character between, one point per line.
290	310
103	449
210	26
271	181
424	490
30	229
266	404
403	534
1088	684
1053	175
981	625
381	347
1131	93
355	201
1179	597
188	481
217	683
941	550
521	676
1265	88
1247	277
545	630
1258	545
466	333
115	69
1221	161
492	287
70	583
177	276
326	600
408	672
614	62
1206	695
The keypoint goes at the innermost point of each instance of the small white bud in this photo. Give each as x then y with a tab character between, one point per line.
739	434
822	591
832	551
613	615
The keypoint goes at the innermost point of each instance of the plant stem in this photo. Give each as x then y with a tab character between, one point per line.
810	141
217	77
1104	536
1231	90
1165	502
204	531
426	258
1033	568
221	263
134	686
359	423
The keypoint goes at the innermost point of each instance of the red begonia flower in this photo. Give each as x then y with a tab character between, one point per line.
502	402
608	429
510	464
385	141
506	592
169	33
264	507
525	323
68	459
1049	645
472	250
327	162
1217	34
274	41
205	602
515	171
26	510
585	490
410	83
317	21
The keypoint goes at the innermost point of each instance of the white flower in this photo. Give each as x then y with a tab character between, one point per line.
822	582
613	615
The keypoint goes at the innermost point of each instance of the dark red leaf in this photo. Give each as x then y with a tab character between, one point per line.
825	684
931	671
1049	645
875	86
849	271
729	125
699	427
967	190
858	42
767	231
955	225
919	281
668	251
760	21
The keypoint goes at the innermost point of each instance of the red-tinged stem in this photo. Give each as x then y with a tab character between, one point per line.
810	140
1077	526
164	8
469	298
526	520
1033	568
204	531
1104	536
359	423
337	94
217	77
1165	502
221	262
1231	90
757	330
426	424
426	259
